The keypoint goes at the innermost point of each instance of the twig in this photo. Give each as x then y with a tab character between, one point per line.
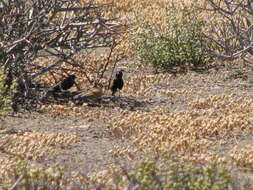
17	182
107	61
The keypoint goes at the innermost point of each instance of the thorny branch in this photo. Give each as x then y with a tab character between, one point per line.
58	29
234	35
61	29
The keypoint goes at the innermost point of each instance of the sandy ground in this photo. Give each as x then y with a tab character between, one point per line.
96	144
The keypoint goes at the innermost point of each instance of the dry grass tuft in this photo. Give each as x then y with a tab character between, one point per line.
31	146
197	130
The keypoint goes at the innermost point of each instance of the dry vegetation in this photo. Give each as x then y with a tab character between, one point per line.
203	118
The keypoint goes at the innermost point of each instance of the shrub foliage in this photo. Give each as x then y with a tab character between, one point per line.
165	173
178	45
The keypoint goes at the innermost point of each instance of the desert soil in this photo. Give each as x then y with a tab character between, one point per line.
96	143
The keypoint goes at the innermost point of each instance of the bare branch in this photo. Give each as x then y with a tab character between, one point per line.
30	28
234	36
49	28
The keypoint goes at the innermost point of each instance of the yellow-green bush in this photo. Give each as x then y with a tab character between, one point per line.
163	173
179	45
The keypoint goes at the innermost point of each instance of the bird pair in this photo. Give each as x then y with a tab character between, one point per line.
68	82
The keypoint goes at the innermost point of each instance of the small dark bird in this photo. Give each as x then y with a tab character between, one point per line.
118	82
15	107
66	84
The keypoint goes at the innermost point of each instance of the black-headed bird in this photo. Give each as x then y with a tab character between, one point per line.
118	82
66	84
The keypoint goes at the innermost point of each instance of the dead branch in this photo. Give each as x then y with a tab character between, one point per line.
57	29
234	35
51	28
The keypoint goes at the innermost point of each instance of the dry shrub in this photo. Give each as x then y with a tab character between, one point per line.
243	157
87	66
30	146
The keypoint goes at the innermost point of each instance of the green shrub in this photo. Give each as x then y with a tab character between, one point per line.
178	46
161	174
25	178
173	175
